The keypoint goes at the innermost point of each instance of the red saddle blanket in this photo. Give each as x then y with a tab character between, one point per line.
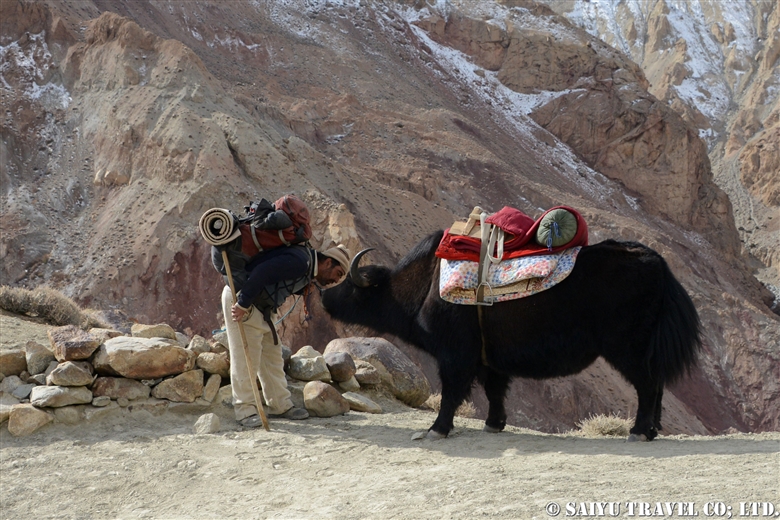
520	240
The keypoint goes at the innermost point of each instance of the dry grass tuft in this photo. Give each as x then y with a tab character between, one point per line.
47	304
466	409
605	426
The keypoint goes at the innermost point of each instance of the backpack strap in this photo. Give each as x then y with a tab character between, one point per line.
254	239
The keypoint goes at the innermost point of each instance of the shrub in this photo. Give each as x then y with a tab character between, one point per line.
466	409
605	426
48	304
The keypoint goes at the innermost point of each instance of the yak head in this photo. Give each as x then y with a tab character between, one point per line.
363	297
387	300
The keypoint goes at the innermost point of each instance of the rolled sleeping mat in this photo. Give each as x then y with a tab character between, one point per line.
218	226
557	228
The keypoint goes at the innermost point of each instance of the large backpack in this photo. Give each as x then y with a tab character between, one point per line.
268	226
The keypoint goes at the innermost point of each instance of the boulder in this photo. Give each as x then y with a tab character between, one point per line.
212	387
220	338
7	401
207	423
10	383
57	396
350	385
308	365
361	403
225	395
183	339
24	419
69	414
199	344
322	400
120	387
101	401
104	334
71	373
161	330
70	343
366	374
23	391
37	356
214	363
184	388
404	379
12	360
142	358
341	366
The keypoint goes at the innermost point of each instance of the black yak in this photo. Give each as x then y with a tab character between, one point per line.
620	302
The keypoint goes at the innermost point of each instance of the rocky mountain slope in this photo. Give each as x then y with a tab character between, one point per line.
125	121
716	64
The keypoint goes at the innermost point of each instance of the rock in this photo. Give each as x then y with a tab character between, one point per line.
10	383
57	396
101	401
12	360
71	373
214	363
308	365
142	358
183	339
161	330
322	400
403	378
38	357
124	402
51	367
37	379
120	387
361	403
366	374
350	385
25	419
184	388
151	405
212	387
207	423
69	414
70	343
199	344
341	366
23	391
102	335
92	412
221	338
286	354
7	401
219	348
225	395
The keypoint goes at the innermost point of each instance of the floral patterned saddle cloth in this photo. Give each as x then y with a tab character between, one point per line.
507	280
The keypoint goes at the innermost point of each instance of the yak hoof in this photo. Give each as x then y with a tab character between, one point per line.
491	429
637	438
435	436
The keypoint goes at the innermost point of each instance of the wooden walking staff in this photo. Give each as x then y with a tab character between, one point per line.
252	375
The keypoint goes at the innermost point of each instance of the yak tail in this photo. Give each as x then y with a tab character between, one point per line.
676	341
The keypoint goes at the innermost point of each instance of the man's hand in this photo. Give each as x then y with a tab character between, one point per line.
239	313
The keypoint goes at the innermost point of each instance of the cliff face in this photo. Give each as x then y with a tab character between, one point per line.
716	64
125	121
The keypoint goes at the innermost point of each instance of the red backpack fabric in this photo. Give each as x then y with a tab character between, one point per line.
254	240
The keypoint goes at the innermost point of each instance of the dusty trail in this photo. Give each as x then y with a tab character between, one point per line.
137	465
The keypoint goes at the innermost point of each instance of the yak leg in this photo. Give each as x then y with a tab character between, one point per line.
456	378
649	401
657	415
496	386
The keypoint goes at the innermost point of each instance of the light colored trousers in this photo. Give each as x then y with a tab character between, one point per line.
266	359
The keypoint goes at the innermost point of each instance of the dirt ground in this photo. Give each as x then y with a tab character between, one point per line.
138	465
135	464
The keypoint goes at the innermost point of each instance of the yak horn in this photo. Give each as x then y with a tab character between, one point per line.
358	279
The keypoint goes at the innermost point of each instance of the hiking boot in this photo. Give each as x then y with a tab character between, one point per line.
253	421
294	414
